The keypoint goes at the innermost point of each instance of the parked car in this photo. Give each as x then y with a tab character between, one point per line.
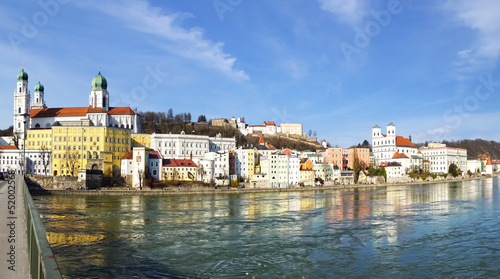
2	177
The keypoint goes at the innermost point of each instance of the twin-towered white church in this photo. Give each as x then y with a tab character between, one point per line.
98	113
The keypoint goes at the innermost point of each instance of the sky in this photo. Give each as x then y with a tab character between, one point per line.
337	67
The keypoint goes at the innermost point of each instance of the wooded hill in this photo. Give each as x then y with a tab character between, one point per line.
474	147
159	122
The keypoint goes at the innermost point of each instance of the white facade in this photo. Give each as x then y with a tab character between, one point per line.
385	145
21	105
442	157
291	128
323	171
276	168
473	165
182	146
244	162
98	112
38	162
394	171
293	170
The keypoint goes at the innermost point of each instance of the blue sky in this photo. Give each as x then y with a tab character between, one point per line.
337	67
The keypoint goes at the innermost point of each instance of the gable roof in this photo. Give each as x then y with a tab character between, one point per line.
401	141
398	155
178	163
287	152
261	140
128	156
77	111
153	154
8	147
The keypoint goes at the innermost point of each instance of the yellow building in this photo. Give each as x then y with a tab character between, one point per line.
141	140
307	176
179	170
80	147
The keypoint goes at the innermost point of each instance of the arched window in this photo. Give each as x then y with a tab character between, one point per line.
121	126
19	110
47	126
99	124
127	126
37	100
19	89
132	127
37	125
116	125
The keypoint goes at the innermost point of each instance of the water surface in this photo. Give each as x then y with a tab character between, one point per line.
449	230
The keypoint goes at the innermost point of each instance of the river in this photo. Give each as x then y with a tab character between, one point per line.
446	230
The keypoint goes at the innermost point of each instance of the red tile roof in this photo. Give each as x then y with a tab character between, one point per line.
128	156
77	111
287	152
178	163
261	140
489	162
8	147
398	155
52	112
401	141
121	110
482	157
96	110
153	154
271	123
271	147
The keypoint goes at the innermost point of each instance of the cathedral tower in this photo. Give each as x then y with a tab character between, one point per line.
38	99
99	96
21	105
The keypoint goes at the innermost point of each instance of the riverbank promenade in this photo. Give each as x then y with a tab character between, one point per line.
14	257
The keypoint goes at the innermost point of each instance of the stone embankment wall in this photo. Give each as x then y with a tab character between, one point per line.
56	182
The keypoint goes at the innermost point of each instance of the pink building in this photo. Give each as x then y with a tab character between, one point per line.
344	158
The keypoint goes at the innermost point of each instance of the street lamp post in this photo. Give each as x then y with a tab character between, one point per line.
24	150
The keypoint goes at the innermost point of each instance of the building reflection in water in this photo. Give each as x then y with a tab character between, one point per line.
86	220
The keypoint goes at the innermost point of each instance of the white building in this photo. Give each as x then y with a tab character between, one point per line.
98	113
474	166
291	128
182	146
215	167
245	161
147	162
442	157
38	162
293	170
385	145
323	171
393	171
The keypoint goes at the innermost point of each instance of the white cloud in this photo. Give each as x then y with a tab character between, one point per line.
188	43
351	11
481	16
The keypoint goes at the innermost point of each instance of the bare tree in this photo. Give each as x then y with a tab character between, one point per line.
16	137
141	177
45	154
200	172
71	161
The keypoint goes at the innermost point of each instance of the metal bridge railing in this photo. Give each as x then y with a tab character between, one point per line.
42	263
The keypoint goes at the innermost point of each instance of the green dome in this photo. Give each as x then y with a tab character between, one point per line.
39	87
391	124
99	83
22	76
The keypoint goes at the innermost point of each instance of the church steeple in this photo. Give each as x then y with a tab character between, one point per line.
38	100
99	96
21	105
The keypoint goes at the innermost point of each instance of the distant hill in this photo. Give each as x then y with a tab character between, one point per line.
474	147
